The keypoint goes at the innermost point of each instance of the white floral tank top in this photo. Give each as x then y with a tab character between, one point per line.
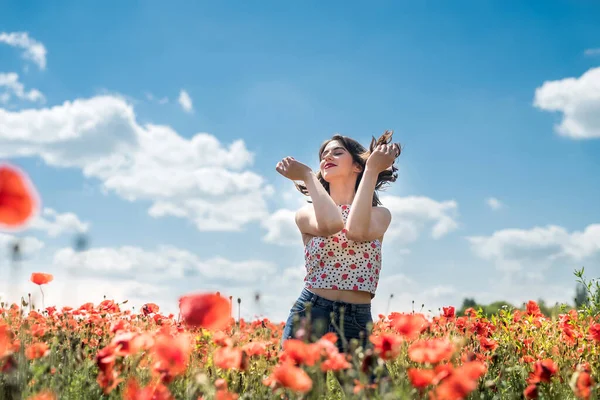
337	263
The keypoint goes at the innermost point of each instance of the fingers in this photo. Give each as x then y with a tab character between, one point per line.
282	165
284	161
389	149
386	148
381	148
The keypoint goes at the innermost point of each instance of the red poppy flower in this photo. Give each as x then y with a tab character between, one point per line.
594	332
420	378
172	353
149	308
299	352
154	391
18	198
5	342
207	310
409	326
454	388
292	377
40	278
387	345
583	385
431	350
531	392
36	350
44	395
543	371
228	358
449	312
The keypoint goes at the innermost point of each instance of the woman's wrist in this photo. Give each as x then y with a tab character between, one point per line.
308	176
370	173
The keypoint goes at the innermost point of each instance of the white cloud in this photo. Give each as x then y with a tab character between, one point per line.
439	291
197	178
592	52
579	101
281	228
515	249
162	275
55	224
291	198
89	134
161	265
185	101
169	272
429	297
409	295
277	292
494	203
275	298
33	50
412	214
161	209
410	217
15	88
151	97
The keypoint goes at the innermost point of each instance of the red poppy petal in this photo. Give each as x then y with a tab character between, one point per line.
18	199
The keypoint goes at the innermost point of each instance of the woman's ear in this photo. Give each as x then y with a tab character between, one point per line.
357	168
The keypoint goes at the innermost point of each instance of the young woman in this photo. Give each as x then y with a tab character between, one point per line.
342	231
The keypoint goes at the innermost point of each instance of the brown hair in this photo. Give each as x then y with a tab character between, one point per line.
360	155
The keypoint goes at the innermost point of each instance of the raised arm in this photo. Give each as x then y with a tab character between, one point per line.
324	217
365	222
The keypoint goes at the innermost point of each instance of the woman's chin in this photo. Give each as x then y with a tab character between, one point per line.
329	177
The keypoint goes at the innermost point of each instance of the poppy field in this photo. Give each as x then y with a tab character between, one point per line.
107	351
100	351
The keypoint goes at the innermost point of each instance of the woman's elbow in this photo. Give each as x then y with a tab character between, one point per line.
356	235
333	227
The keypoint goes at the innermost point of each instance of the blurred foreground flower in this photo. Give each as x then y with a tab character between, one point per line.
205	310
45	395
18	197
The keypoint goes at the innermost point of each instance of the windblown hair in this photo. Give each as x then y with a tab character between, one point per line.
360	155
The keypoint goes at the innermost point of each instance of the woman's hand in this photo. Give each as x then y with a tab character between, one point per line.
293	170
383	157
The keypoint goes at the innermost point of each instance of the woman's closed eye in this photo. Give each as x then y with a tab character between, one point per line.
336	154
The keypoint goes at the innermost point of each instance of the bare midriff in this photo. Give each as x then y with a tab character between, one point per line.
347	296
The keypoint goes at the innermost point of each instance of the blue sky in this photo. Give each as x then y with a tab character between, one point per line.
475	92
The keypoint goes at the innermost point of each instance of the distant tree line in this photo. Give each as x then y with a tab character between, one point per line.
585	297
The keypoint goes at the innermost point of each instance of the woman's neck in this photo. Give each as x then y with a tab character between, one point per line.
342	192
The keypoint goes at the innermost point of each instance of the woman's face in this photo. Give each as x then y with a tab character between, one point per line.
337	162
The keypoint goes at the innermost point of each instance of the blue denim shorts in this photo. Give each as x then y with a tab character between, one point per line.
317	316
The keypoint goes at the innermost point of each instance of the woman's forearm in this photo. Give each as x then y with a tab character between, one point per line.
359	218
328	215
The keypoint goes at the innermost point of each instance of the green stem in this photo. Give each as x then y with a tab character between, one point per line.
43	307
